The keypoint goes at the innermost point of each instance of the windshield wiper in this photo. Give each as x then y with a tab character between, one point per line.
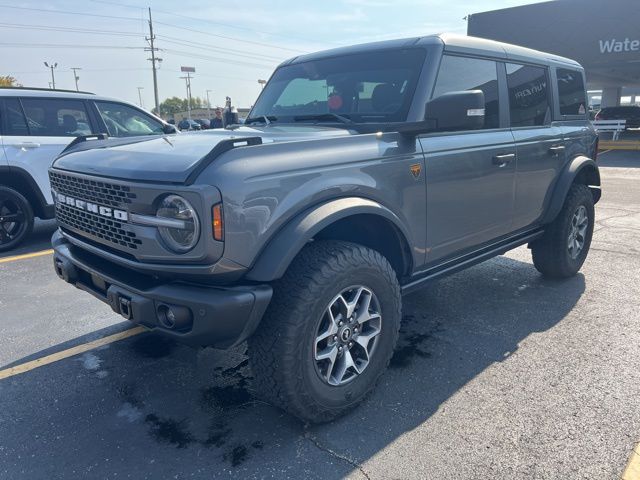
266	119
323	116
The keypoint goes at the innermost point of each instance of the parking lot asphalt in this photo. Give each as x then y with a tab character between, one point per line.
499	373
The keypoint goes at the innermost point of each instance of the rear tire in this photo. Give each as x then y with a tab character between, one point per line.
329	331
563	249
16	218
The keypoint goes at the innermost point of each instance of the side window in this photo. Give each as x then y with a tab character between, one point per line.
528	95
125	121
13	121
571	92
462	73
56	117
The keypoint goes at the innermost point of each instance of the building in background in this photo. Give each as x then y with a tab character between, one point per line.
603	35
208	114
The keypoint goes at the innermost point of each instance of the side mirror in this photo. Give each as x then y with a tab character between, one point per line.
169	129
457	111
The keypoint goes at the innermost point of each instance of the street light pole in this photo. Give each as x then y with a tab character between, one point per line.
208	105
53	78
140	96
187	80
76	77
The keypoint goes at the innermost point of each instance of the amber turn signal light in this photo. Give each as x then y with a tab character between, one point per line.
217	222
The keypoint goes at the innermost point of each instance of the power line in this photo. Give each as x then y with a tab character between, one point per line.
58	45
222	24
21	26
235	39
217	35
66	12
216	59
227	51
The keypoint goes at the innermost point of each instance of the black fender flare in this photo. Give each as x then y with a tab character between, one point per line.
578	167
282	248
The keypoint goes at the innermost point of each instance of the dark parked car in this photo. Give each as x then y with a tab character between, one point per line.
204	123
630	113
360	175
189	125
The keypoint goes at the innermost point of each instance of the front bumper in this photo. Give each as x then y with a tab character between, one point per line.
206	315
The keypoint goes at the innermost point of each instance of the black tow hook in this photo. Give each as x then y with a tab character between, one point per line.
124	305
65	269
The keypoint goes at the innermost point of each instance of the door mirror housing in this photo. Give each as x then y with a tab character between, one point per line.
169	129
457	111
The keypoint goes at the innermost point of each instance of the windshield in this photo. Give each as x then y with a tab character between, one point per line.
365	87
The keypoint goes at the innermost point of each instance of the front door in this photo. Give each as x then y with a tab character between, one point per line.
469	175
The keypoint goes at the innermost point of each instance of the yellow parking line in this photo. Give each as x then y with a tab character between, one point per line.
54	357
632	472
26	255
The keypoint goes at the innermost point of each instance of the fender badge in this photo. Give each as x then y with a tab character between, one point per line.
416	168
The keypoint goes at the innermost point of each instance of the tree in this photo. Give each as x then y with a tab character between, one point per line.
8	81
170	106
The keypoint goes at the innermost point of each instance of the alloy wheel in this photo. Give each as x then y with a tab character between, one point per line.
347	336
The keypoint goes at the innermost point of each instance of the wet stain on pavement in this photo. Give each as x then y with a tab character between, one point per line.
236	455
218	435
167	430
153	346
231	395
410	344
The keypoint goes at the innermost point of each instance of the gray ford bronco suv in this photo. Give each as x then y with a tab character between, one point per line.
361	174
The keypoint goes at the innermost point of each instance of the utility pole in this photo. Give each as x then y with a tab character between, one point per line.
140	96
208	105
53	78
187	80
76	77
151	38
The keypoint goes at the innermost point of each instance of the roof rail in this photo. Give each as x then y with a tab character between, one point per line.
46	89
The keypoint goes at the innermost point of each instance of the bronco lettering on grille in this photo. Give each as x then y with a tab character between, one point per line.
90	207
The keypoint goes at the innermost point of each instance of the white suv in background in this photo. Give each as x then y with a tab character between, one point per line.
35	126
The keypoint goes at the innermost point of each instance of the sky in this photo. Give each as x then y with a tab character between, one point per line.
230	44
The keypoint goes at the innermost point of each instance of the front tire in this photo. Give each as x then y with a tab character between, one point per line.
329	332
563	249
16	218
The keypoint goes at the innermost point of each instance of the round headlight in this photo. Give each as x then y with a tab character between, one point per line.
183	235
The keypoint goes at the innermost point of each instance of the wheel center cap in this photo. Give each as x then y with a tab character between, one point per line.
346	334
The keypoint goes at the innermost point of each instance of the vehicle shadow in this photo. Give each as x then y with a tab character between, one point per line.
40	239
157	409
619	159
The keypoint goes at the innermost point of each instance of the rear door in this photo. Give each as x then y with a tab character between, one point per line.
40	128
470	175
572	112
539	141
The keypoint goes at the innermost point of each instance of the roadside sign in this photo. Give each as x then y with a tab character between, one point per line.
188	69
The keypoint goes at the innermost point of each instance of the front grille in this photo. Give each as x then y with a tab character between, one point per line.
108	230
102	193
105	228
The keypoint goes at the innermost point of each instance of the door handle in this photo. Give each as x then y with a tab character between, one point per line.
26	145
502	160
556	150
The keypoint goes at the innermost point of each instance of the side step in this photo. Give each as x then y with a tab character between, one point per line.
473	258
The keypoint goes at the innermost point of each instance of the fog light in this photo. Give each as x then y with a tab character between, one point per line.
174	317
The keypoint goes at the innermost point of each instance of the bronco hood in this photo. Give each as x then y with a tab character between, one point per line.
173	158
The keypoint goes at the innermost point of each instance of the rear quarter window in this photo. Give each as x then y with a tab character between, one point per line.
571	92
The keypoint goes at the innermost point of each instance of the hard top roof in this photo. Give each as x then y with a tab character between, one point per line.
451	43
